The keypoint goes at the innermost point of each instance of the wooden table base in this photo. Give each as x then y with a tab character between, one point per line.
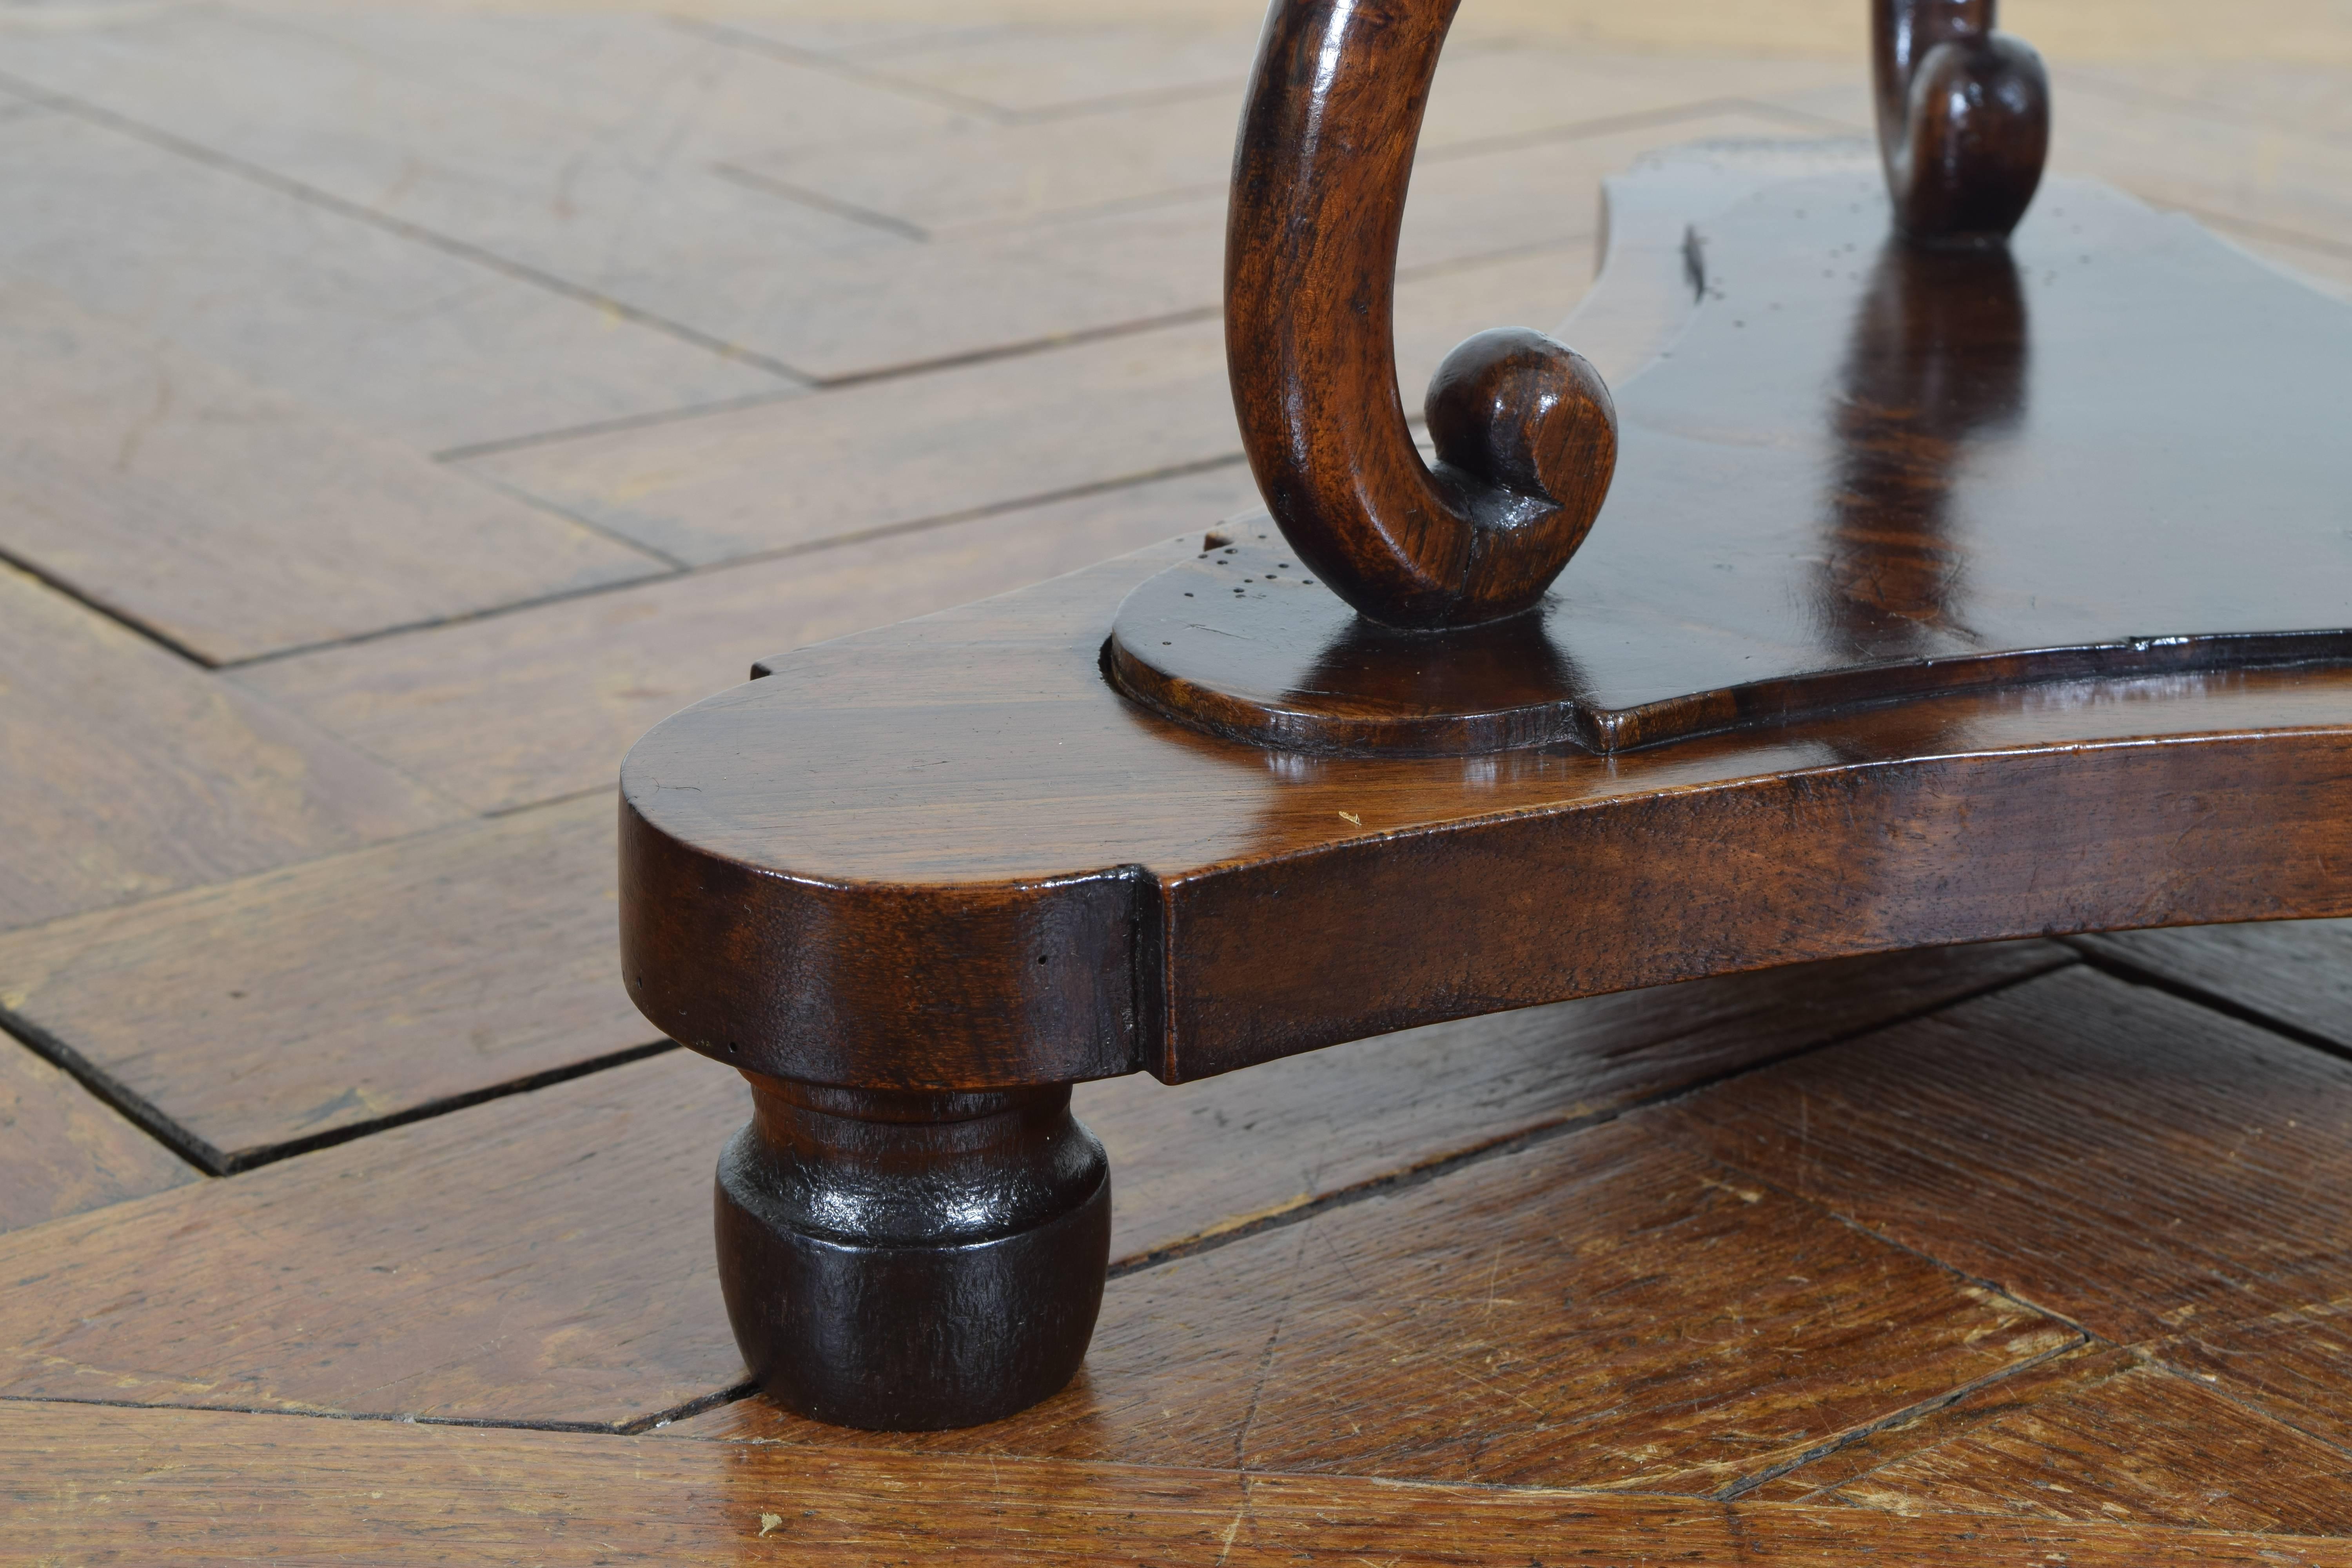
1941	598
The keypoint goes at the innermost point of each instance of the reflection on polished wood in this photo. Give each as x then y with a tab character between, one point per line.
1927	609
1865	470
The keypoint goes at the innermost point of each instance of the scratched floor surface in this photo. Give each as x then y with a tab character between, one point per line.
409	405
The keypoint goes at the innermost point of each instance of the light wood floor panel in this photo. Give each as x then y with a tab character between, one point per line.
398	337
402	1291
2108	1151
992	434
502	711
272	1012
2055	1273
122	1485
233	520
126	772
63	1151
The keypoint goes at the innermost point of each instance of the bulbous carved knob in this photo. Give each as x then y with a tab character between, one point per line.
1525	432
1963	119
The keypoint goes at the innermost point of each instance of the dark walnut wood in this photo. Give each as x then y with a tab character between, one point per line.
875	1246
1963	622
1866	470
1525	434
1963	119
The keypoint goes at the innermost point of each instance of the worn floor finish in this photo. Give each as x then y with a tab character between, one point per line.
410	405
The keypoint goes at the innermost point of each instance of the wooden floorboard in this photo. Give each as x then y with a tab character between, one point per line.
331	321
401	339
545	702
400	1292
272	1012
232	520
995	435
62	1151
119	1486
1608	1309
126	772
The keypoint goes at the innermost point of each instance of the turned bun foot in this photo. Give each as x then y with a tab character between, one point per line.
908	1262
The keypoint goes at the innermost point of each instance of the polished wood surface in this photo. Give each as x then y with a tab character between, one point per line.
1866	470
358	1491
1893	826
1525	433
912	1229
1963	119
542	1256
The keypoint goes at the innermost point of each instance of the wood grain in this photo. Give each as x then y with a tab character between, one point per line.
500	712
2298	972
1206	1158
633	209
1606	1308
2223	163
1524	430
124	772
399	338
62	1151
2049	1379
107	1486
2290	1362
2141	1445
234	520
996	434
536	1260
413	1300
267	1013
1163	149
2111	1153
1129	792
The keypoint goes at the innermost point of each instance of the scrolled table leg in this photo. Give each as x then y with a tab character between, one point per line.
1963	119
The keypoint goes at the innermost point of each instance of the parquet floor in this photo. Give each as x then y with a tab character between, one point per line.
406	406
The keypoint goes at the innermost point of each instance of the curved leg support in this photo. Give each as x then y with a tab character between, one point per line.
1963	119
905	1261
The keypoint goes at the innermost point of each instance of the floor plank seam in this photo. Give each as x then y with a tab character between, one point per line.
614	426
700	1404
2152	1356
1991	1286
1805	119
1585	130
817	59
594	524
817	201
1532	1137
111	1091
270	1155
1899	1420
97	606
382	1417
2094	80
755	558
106	119
2118	966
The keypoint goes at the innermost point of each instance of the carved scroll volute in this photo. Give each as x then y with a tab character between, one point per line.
1526	436
1963	119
